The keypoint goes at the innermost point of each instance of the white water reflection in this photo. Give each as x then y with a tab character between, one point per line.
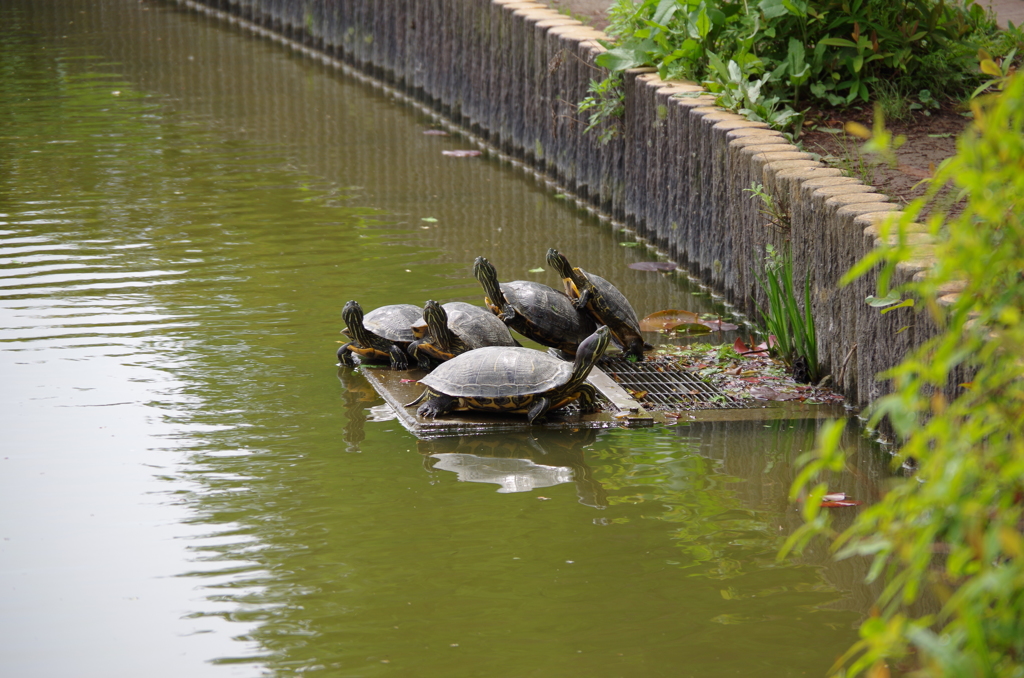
511	475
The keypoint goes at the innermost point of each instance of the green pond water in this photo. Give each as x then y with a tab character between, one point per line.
190	486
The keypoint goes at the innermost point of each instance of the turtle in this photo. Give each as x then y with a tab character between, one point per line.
457	327
382	334
515	380
604	302
534	310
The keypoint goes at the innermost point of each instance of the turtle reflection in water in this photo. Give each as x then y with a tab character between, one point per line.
519	462
513	380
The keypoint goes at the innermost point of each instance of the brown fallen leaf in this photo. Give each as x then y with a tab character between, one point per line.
662	321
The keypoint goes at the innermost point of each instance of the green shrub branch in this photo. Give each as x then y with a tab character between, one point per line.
954	532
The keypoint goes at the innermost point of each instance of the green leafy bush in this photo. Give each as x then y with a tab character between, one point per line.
955	530
834	52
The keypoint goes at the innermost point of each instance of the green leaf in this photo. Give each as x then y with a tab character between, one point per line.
837	42
773	9
536	270
887	300
620	59
664	12
703	22
903	304
431	220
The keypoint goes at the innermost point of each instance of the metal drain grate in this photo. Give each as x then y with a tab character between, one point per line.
662	385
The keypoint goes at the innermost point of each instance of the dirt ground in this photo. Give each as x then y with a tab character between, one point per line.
930	138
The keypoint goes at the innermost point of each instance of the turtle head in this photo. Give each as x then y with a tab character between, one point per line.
435	315
352	314
485	272
483	269
436	318
590	351
558	262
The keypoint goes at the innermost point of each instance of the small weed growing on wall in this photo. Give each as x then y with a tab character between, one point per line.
604	107
774	210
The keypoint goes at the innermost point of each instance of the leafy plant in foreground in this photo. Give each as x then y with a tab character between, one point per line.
955	531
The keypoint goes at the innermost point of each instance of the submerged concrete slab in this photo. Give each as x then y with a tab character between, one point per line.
400	388
619	410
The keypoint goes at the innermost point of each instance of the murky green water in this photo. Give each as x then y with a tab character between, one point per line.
188	484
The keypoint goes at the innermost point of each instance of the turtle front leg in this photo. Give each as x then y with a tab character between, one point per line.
635	348
345	355
421	358
582	300
399	360
538	409
508	313
588	399
436	406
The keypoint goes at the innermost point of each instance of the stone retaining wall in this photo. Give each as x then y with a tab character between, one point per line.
677	172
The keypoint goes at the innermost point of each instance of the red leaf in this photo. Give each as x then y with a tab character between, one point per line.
834	504
759	351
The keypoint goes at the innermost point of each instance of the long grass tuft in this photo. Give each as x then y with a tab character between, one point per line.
790	331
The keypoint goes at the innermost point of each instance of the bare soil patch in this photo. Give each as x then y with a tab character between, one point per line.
930	139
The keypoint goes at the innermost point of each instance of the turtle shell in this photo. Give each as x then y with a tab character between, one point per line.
496	372
393	322
547	316
476	326
613	301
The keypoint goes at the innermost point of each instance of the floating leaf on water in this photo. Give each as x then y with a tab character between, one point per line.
461	154
630	244
430	219
536	270
720	325
846	502
435	132
663	321
691	328
653	266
